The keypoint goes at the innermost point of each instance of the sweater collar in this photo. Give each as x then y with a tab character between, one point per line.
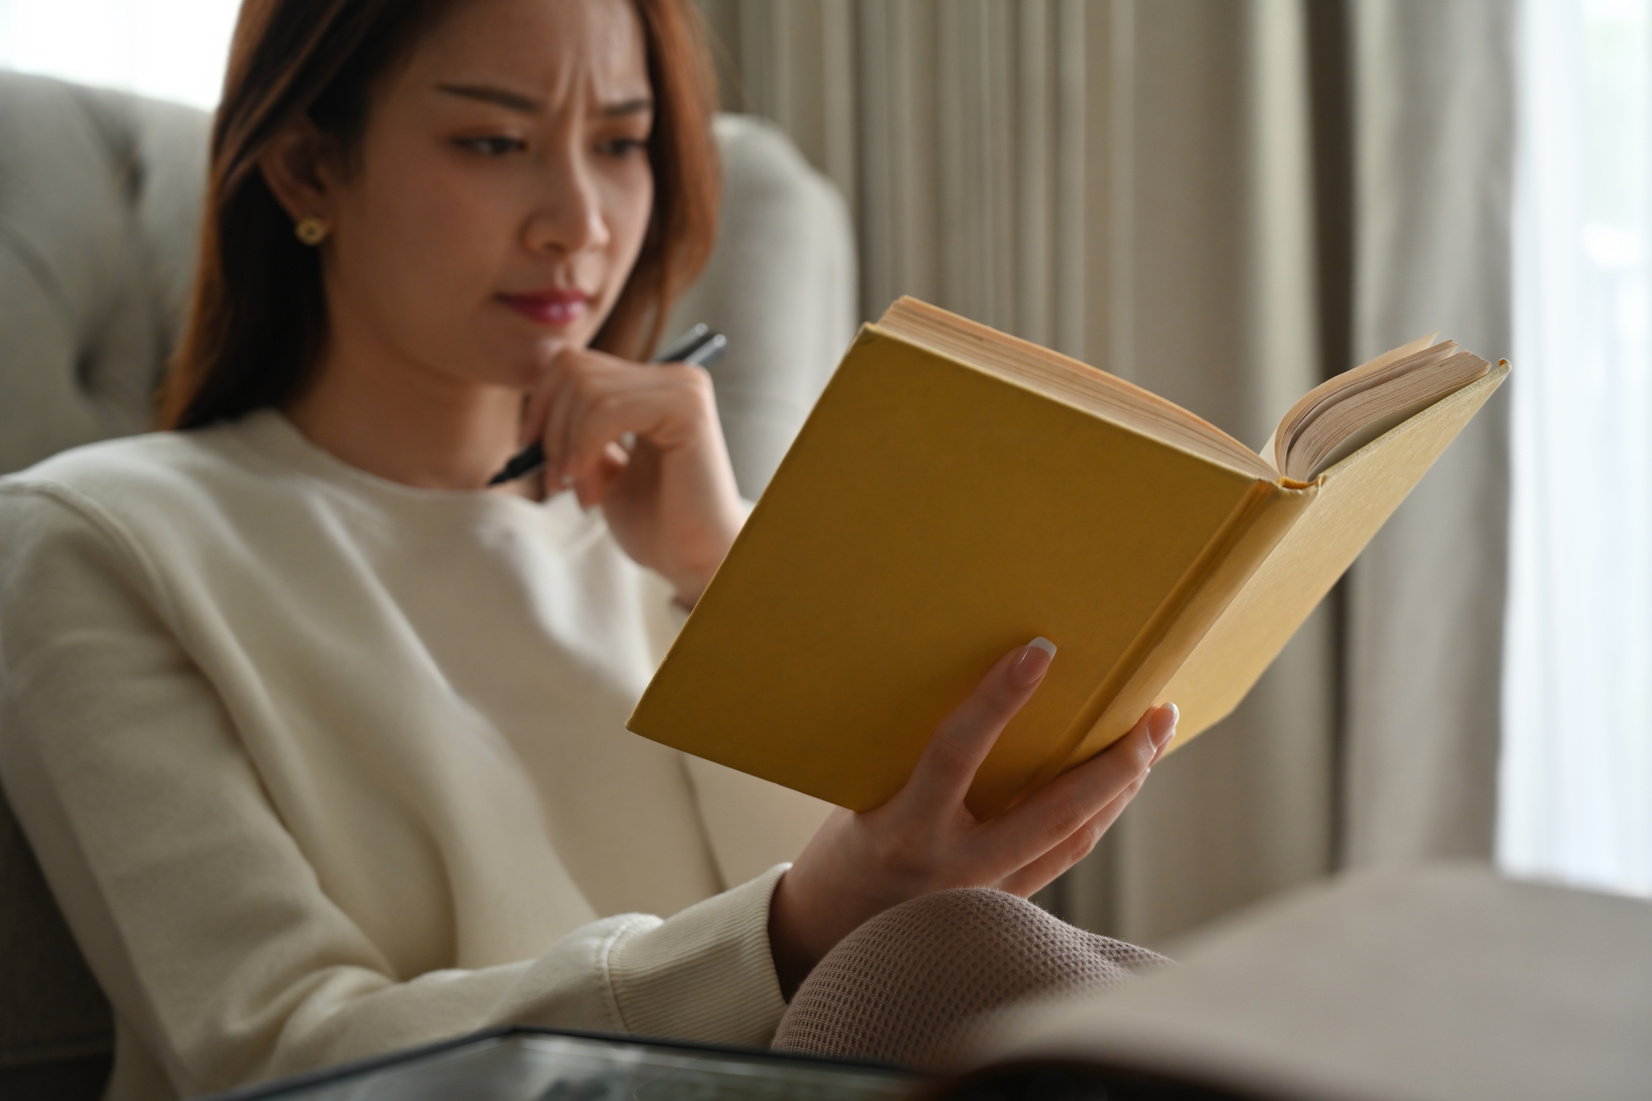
276	439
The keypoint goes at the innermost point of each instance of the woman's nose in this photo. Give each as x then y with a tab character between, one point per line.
568	216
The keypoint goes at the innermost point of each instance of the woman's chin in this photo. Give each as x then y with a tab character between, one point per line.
524	371
519	364
547	343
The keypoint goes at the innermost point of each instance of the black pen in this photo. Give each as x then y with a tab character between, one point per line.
699	346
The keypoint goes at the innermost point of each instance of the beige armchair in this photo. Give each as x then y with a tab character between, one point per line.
100	193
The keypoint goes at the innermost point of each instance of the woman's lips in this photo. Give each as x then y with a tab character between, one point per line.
557	309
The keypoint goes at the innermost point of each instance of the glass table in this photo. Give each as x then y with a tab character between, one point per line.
543	1065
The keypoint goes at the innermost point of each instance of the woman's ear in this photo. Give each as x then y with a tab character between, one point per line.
296	167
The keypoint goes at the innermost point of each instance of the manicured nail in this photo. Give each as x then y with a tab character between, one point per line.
1162	726
1034	660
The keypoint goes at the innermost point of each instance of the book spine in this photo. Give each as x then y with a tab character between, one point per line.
1234	553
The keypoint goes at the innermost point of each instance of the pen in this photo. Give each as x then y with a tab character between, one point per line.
699	347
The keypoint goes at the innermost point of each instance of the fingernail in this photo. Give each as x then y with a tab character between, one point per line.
1162	726
1034	660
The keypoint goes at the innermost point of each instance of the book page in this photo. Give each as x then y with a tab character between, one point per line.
1336	418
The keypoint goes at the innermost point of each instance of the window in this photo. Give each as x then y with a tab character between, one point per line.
168	49
1577	752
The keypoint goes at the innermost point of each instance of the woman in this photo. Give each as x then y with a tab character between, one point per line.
318	739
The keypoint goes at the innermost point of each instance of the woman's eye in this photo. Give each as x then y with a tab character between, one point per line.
624	147
493	146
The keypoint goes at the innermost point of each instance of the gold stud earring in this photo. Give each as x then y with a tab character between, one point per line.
311	230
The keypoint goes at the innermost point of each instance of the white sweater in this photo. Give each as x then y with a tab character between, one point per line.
320	766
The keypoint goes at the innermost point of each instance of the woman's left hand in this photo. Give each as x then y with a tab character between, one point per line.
670	497
925	838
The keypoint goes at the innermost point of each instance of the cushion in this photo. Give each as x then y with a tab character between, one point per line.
99	197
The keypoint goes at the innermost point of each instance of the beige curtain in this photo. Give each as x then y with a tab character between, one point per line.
1223	200
1435	154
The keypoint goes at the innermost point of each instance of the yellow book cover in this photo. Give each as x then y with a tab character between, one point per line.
956	492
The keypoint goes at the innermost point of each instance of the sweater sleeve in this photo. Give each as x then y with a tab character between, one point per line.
197	910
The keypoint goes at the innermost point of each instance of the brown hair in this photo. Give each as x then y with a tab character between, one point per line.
259	316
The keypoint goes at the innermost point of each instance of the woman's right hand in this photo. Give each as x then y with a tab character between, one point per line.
670	499
925	839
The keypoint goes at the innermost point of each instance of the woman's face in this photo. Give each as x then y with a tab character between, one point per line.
500	193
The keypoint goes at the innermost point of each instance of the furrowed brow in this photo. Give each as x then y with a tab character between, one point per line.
515	101
640	105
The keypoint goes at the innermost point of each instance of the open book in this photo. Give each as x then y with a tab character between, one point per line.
957	491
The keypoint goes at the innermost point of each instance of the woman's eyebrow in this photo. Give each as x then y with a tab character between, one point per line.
528	105
628	107
516	101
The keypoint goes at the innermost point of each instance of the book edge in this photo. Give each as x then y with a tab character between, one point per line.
927	349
